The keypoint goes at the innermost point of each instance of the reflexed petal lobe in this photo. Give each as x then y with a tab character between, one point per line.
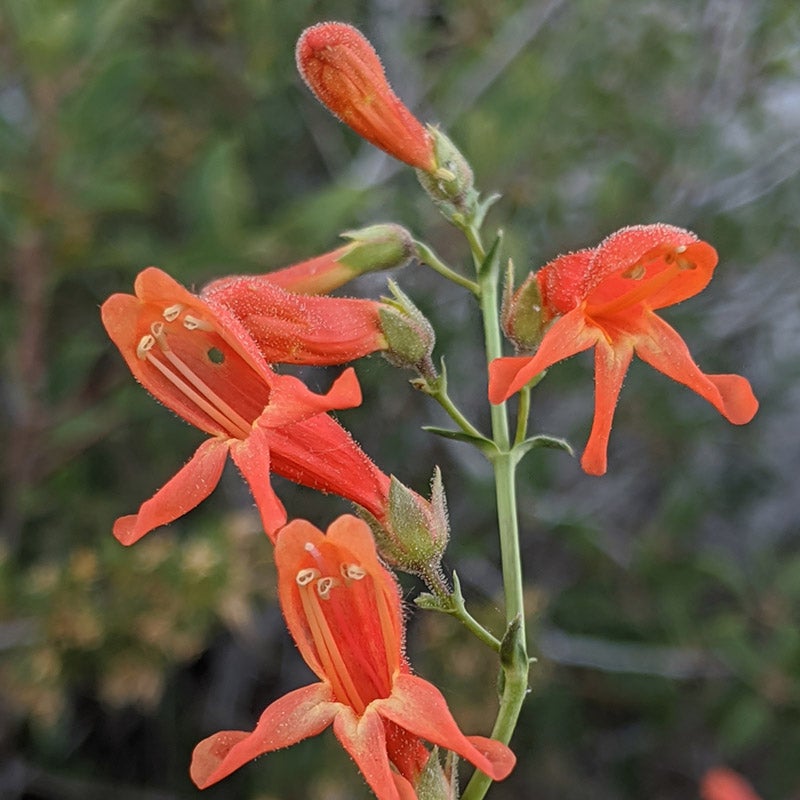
252	457
419	707
663	348
296	716
567	336
184	491
611	363
365	741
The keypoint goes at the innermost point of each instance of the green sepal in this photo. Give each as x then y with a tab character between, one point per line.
490	266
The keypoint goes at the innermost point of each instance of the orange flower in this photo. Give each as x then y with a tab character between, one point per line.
722	783
343	610
198	360
292	328
345	73
380	246
605	297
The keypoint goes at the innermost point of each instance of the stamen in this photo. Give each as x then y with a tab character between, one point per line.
192	323
635	273
324	586
305	576
352	571
172	313
157	329
233	421
228	424
145	343
331	658
391	640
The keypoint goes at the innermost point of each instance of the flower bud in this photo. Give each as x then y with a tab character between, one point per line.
345	73
414	532
450	184
524	318
409	336
381	246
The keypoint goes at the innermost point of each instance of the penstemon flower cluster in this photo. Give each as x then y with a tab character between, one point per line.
214	359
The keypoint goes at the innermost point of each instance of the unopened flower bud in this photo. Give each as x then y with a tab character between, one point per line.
524	318
409	336
414	532
343	70
382	246
450	184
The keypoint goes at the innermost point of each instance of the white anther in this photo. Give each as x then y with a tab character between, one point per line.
173	312
352	571
305	576
145	343
324	586
157	329
195	323
680	249
635	273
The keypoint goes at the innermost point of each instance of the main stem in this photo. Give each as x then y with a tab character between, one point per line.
515	667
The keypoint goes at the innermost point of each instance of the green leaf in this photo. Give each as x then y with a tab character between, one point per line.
480	442
551	442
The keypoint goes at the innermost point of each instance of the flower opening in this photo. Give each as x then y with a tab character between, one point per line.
605	297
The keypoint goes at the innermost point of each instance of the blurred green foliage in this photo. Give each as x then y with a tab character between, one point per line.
664	597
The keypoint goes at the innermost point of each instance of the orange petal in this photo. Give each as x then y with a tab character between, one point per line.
252	457
722	783
292	401
419	707
184	491
365	741
296	716
567	336
663	348
611	362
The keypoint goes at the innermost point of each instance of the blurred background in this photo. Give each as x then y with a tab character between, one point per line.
664	598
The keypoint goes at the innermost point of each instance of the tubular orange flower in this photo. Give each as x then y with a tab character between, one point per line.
345	73
197	359
605	297
292	328
721	783
380	246
343	610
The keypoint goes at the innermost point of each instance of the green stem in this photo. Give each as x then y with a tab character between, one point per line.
515	684
474	627
427	256
443	399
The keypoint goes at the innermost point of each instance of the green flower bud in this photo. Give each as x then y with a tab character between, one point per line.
524	318
414	533
410	337
450	184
